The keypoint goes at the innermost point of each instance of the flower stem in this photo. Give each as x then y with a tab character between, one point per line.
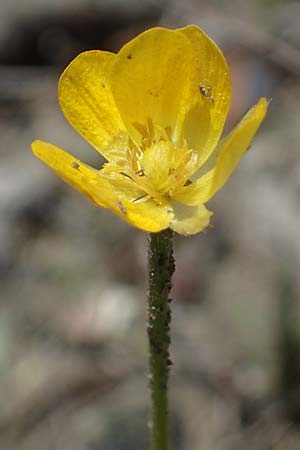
161	266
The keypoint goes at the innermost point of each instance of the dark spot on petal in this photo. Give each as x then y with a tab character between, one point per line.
122	207
129	56
155	92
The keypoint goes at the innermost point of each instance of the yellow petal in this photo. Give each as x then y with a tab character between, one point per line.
146	216
189	219
148	78
226	157
86	101
117	194
207	94
126	200
67	167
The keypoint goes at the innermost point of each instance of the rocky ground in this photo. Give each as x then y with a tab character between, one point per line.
73	355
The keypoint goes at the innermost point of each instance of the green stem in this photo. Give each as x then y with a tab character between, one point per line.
161	266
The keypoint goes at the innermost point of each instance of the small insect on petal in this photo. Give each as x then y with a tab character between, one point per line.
75	165
205	91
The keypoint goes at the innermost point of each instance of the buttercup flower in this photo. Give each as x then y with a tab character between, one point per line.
155	111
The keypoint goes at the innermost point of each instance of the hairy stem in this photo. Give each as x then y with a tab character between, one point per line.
161	266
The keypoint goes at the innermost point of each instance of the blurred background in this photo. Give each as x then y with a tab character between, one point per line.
73	351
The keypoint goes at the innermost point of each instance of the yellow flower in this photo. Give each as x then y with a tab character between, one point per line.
155	111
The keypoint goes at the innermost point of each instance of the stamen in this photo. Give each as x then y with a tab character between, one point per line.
126	175
141	197
150	128
122	207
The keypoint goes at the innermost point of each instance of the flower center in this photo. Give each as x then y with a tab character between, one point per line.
166	168
157	167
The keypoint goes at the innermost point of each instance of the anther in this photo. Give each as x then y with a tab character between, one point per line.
141	172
